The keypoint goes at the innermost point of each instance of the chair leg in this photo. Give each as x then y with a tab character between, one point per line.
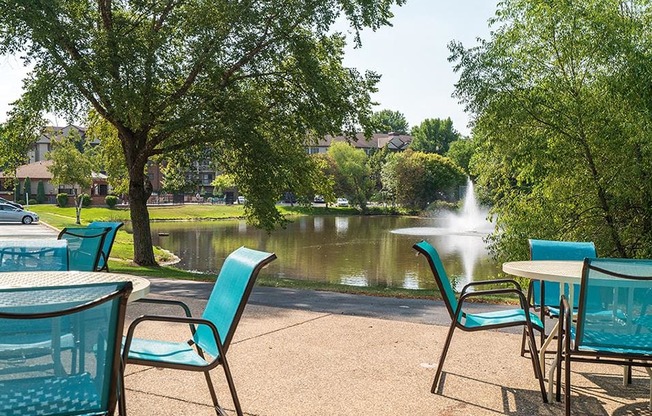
229	380
523	342
440	366
211	389
567	384
537	365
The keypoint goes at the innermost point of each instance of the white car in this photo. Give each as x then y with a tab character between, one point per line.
10	213
342	202
241	200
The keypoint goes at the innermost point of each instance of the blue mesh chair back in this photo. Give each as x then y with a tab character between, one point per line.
84	246
108	241
556	250
33	255
229	297
441	278
84	380
614	314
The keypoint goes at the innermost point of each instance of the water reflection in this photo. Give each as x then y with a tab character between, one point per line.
361	251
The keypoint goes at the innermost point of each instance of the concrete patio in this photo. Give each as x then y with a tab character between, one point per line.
376	358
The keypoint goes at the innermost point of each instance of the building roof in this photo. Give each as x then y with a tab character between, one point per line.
376	141
36	170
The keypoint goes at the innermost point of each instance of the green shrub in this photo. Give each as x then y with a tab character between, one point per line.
111	201
40	192
21	201
62	199
33	201
28	187
86	200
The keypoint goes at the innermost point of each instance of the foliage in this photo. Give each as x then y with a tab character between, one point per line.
28	187
352	178
40	192
111	201
433	136
18	135
249	82
324	183
108	155
62	200
223	182
388	121
561	99
416	179
71	167
461	151
85	200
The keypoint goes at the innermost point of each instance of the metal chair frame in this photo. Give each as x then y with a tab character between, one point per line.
458	315
221	343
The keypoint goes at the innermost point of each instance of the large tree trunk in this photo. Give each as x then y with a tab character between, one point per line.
139	192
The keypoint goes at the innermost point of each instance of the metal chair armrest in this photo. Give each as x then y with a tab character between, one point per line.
517	292
491	282
167	302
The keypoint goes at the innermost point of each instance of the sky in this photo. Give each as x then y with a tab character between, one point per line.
412	57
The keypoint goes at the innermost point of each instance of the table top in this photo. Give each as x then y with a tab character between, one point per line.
563	271
66	278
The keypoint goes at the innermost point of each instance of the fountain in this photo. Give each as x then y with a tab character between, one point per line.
460	235
471	220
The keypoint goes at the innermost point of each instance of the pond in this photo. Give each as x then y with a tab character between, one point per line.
351	250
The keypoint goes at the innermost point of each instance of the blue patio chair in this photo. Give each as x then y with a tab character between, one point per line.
84	246
480	321
33	255
617	333
212	333
86	383
108	241
549	291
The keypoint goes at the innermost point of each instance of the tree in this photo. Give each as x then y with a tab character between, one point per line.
461	151
416	179
71	167
17	136
559	96
353	175
388	121
254	81
433	135
223	182
40	192
28	188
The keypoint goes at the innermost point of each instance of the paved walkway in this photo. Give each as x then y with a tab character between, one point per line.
317	353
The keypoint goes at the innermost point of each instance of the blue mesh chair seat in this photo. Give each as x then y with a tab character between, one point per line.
613	330
103	263
460	319
210	335
86	380
26	255
84	246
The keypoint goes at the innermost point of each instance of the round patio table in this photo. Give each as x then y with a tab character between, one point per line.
10	280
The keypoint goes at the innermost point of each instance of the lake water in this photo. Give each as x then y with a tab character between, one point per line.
350	250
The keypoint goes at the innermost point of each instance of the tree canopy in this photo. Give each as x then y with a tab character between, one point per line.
561	102
433	135
417	179
388	121
255	80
